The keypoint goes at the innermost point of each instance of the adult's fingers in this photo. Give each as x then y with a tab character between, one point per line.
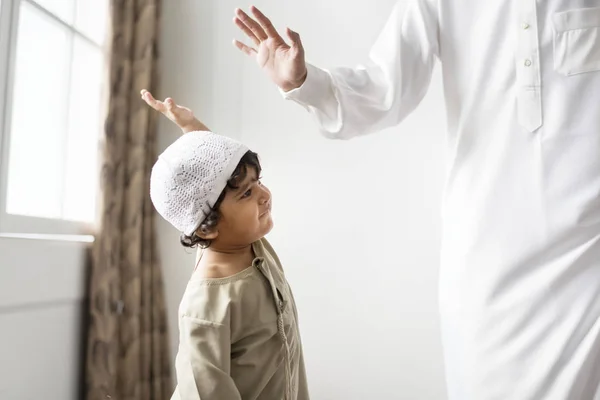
265	23
244	48
294	38
251	24
238	22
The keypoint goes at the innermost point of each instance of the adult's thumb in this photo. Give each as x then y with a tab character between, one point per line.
294	38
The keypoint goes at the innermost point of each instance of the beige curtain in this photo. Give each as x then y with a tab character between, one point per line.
127	355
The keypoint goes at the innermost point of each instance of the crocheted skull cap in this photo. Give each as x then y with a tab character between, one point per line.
189	176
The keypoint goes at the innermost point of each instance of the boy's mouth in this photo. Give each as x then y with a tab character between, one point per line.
267	211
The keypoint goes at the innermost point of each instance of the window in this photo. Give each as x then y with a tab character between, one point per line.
51	83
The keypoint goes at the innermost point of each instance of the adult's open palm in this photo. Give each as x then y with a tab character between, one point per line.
284	63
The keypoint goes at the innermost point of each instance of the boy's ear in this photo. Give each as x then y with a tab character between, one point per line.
207	234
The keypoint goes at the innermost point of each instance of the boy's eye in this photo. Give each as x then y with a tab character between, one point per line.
247	194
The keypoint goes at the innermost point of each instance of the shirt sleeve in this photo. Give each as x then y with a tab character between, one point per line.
203	361
349	102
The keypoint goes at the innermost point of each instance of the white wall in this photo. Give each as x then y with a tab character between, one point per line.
357	223
41	309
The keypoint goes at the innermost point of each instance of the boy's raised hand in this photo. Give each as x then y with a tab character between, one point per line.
283	63
183	117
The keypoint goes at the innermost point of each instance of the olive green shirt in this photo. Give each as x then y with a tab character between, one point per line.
239	336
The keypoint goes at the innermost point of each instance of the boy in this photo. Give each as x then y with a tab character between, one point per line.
239	336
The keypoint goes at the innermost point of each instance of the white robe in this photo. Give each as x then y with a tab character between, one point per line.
520	274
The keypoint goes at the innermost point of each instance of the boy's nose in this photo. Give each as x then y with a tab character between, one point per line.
266	195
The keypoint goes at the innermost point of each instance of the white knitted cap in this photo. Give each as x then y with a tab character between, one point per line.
189	176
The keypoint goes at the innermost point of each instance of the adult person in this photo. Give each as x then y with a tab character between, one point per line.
520	272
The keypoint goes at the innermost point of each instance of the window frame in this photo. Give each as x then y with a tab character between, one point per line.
9	25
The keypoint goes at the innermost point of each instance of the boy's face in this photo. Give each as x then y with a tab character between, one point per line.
245	213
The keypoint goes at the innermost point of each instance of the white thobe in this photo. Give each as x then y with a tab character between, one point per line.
520	272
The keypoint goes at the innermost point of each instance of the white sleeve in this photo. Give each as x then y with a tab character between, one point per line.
349	102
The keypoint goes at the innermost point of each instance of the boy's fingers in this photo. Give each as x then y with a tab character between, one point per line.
146	95
152	102
170	103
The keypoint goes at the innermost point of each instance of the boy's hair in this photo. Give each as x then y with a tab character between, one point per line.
248	161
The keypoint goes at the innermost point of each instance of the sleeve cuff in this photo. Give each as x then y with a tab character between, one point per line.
315	91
